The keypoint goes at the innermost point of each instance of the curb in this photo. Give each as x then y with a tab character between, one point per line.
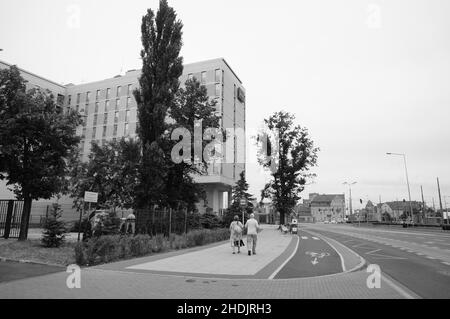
362	262
24	261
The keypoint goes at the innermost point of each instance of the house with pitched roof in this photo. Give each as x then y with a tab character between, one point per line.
327	207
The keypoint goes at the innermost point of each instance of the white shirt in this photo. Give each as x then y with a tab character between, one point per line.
252	226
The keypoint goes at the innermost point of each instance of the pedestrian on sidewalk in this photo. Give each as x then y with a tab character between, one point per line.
253	229
236	229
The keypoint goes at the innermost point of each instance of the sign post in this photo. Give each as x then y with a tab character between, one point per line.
243	204
89	197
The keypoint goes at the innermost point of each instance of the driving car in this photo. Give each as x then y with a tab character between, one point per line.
294	226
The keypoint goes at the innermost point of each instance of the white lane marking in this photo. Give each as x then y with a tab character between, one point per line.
304	237
315	238
420	254
286	261
446	263
397	288
429	257
370	252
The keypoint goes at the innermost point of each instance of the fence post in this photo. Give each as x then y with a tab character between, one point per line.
170	221
8	219
185	221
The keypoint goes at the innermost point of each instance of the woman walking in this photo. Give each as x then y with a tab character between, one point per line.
236	229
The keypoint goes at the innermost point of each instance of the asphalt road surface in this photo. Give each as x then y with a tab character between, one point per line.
425	276
313	257
14	270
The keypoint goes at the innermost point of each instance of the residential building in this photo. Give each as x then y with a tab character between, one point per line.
327	207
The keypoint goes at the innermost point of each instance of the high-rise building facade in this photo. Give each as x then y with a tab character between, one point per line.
110	112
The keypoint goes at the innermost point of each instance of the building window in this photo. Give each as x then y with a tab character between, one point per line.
119	89
95	120
106	106
77	108
83	134
96	107
190	76
82	146
218	75
117	104
127	116
104	131
125	132
129	89
105	118
116	117
217	90
94	131
203	78
128	102
88	97
115	130
86	109
69	100
108	92
97	95
78	98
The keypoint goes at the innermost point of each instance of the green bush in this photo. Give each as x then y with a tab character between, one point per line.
54	229
109	248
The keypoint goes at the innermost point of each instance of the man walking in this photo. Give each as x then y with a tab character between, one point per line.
252	234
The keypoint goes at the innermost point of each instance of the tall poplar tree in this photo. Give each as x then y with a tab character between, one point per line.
161	68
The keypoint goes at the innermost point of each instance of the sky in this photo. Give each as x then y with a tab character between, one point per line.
365	77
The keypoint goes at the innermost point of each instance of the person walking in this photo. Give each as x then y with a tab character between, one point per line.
253	229
236	229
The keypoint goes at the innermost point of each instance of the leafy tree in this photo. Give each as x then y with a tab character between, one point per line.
162	66
296	155
240	190
36	137
111	171
54	228
191	104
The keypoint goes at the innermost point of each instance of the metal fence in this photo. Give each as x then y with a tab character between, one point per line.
10	217
164	221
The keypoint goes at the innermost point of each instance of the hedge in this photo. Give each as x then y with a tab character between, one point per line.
108	248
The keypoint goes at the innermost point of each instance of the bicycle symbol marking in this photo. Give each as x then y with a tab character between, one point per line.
315	256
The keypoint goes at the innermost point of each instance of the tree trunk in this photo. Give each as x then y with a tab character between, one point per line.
282	217
24	222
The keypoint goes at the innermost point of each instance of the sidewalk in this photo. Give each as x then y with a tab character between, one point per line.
147	277
217	260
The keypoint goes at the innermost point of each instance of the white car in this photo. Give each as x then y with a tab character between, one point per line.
326	222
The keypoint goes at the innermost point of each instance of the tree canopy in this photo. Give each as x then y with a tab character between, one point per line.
296	154
36	137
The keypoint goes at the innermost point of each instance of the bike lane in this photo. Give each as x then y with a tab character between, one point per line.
313	257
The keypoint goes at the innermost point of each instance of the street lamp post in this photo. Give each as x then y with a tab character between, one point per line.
407	182
350	196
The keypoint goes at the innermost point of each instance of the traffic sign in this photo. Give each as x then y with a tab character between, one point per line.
243	202
90	197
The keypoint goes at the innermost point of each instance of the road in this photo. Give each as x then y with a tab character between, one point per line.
419	260
313	257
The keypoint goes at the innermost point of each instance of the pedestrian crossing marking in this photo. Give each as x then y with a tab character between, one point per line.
315	238
304	237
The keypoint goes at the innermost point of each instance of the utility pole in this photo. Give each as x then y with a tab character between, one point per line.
350	198
423	204
440	200
407	182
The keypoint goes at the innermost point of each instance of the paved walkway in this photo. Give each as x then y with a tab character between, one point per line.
145	278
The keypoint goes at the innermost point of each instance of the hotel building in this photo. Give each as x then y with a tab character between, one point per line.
110	112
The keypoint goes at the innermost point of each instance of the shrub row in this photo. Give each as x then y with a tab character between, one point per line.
110	248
